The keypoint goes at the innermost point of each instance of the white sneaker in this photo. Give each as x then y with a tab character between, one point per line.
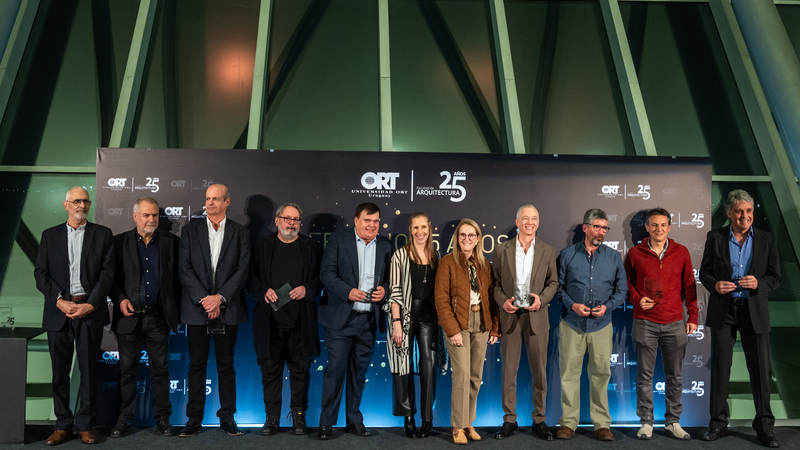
645	432
676	431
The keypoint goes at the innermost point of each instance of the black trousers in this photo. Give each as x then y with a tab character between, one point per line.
756	355
75	336
199	343
426	335
153	329
286	348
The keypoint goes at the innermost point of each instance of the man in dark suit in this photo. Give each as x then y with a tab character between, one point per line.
739	268
526	279
145	295
75	271
213	264
284	270
354	264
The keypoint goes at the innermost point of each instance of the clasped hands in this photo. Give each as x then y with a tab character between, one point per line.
74	310
509	307
297	293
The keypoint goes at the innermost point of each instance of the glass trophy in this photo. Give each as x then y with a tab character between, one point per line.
589	301
367	284
139	306
215	326
653	290
6	316
522	296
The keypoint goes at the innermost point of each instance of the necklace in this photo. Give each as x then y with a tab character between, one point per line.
425	275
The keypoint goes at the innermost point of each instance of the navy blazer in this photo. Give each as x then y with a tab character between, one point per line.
339	273
259	283
97	273
716	266
194	269
128	278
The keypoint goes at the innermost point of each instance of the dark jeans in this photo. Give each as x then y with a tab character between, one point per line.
199	343
285	347
648	337
756	355
153	328
426	335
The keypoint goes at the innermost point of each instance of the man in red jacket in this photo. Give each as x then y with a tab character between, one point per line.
660	279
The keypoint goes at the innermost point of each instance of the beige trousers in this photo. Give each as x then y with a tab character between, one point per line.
467	363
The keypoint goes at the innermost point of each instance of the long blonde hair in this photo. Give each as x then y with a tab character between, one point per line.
477	252
433	257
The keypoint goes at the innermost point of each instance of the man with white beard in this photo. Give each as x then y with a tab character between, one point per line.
284	279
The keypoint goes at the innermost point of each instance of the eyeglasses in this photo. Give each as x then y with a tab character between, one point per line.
290	219
79	201
597	228
469	237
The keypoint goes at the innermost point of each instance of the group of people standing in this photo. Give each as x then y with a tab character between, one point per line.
450	308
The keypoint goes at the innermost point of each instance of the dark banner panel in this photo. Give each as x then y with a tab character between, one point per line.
449	187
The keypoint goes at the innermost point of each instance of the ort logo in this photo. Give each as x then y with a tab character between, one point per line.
380	180
670	191
173	211
111	356
610	191
612	244
117	184
114	211
109	385
174	356
612	217
178	183
614	358
660	387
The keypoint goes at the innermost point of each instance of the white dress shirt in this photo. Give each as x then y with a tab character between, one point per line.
75	246
215	238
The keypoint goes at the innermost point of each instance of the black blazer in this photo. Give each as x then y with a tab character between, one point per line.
128	276
339	274
259	283
194	269
97	273
716	266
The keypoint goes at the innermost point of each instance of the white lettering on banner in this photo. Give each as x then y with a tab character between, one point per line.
173	210
609	190
380	180
178	183
208	387
670	191
152	183
117	182
699	333
643	192
697	221
697	388
660	387
114	211
612	217
612	244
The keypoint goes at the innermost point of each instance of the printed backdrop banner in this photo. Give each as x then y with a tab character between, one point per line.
487	188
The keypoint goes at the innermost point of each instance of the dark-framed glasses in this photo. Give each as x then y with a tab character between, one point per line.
80	200
467	237
290	219
597	228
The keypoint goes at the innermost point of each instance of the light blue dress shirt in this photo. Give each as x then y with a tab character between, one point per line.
366	270
741	257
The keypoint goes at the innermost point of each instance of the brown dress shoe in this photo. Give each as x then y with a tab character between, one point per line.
88	437
565	432
58	437
603	434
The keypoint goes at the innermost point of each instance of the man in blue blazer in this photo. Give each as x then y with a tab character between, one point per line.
212	265
740	267
354	265
75	271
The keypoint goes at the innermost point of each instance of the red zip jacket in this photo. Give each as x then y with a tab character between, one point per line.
672	277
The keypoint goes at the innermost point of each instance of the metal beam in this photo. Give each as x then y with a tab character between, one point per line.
505	76
15	48
773	153
134	72
628	80
385	74
741	178
258	98
48	169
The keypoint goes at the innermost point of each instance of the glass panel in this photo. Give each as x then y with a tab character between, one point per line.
8	14
200	77
324	86
790	15
122	19
691	98
569	95
433	46
40	198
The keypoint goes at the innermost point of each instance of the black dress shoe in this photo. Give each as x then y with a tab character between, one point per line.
165	428
712	434
191	429
358	429
299	423
426	429
769	440
229	426
122	427
507	430
325	432
541	431
270	427
409	427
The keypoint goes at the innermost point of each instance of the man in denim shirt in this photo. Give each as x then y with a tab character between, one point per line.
591	284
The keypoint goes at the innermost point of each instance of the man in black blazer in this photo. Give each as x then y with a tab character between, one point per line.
739	268
354	264
213	264
145	295
289	334
75	271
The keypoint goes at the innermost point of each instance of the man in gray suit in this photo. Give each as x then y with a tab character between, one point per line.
525	280
213	264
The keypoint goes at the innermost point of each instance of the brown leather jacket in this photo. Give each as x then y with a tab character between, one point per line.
452	297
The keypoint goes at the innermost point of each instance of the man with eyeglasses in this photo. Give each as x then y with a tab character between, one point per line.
284	280
591	284
525	280
75	271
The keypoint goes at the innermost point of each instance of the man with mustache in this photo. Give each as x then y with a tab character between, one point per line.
145	294
75	271
284	280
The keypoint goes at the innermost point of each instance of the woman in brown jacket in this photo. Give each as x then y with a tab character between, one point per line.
468	317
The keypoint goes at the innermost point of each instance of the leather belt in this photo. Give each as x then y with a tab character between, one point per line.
738	301
360	313
78	298
475	308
